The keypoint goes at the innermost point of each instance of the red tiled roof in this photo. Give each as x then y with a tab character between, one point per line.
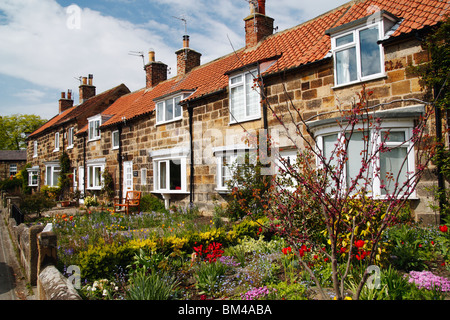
300	45
83	108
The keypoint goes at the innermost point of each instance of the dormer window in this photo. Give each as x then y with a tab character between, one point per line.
94	128
168	110
244	98
358	55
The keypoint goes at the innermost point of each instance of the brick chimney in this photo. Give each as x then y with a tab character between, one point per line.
65	103
187	59
86	89
257	24
155	71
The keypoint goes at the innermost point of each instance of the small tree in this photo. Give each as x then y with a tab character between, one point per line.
334	212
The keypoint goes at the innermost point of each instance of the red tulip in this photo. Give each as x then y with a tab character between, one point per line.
443	228
359	243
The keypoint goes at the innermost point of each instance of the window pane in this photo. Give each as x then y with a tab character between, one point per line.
162	175
251	96
160	111
175	175
226	172
393	136
355	156
115	138
169	109
346	66
391	163
177	107
329	146
344	40
235	80
237	103
98	176
55	176
370	51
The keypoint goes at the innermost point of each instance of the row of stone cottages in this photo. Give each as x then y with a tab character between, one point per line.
175	137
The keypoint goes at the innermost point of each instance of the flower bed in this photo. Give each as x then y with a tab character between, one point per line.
173	256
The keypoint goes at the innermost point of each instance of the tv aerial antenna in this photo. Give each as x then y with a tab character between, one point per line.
138	54
182	18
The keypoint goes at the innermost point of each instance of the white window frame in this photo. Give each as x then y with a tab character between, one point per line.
162	108
115	146
405	126
35	149
233	153
33	172
70	137
12	168
94	124
56	142
52	168
356	44
165	156
143	176
91	167
239	80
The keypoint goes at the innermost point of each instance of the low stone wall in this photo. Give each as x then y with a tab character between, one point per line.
36	246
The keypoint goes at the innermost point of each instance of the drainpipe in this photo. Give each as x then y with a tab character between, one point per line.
84	165
440	176
119	160
191	137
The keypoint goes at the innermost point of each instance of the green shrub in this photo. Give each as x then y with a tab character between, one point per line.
102	260
208	276
35	203
151	286
150	203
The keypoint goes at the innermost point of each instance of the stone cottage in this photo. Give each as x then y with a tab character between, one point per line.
175	138
59	134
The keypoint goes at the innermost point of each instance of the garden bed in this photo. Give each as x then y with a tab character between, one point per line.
183	255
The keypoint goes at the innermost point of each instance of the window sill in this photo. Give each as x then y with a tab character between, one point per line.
375	77
223	190
55	150
94	188
69	147
169	121
244	120
94	139
170	192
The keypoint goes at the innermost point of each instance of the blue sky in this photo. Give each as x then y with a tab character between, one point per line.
47	44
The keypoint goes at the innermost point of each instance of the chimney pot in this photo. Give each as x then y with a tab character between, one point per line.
185	41
151	55
86	90
69	94
257	24
63	95
64	103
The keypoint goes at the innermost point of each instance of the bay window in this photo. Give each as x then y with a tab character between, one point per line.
387	169
95	169
169	170
52	173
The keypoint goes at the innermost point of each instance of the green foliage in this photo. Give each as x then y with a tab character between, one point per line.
11	185
248	187
285	291
108	185
151	286
65	177
208	276
35	203
150	203
100	260
90	201
13	129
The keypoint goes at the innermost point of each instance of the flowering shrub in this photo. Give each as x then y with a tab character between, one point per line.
427	280
257	293
100	290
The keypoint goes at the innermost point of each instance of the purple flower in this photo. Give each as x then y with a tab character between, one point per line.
427	280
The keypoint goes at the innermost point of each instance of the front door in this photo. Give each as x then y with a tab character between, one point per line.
127	177
81	179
